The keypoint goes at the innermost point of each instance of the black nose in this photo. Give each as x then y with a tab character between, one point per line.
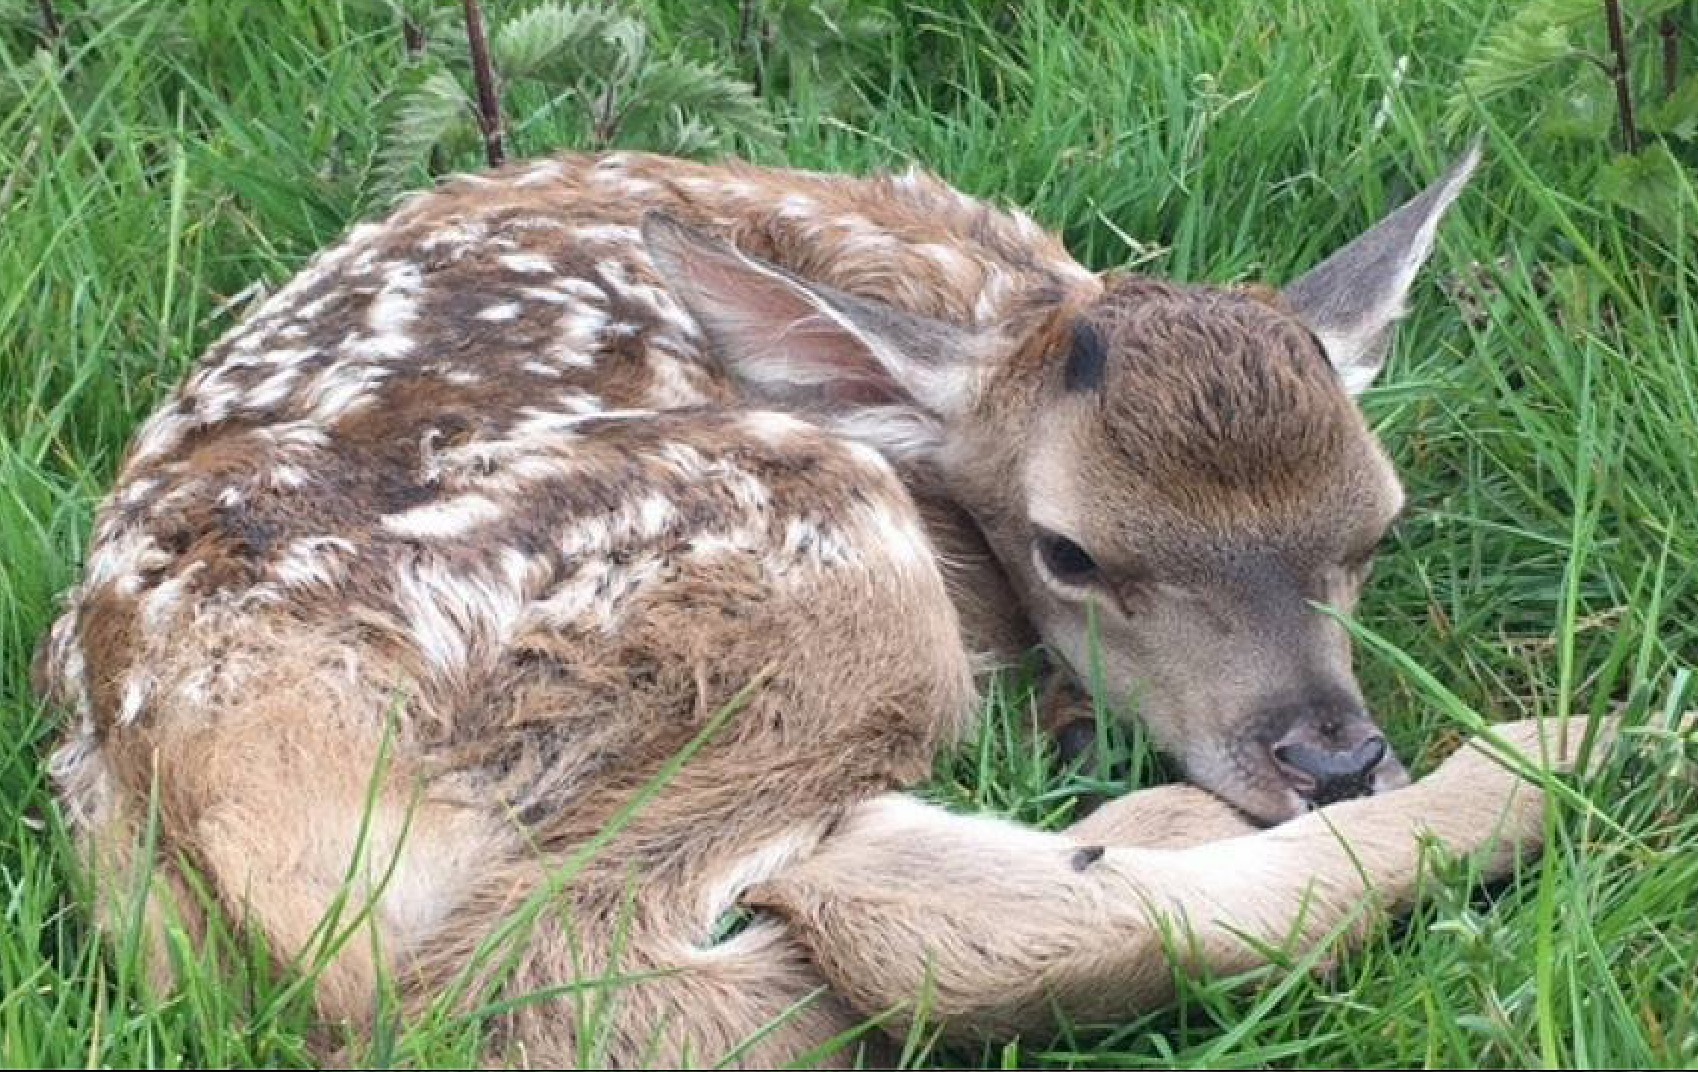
1324	772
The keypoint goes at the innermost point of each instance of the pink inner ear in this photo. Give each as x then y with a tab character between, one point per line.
821	362
779	339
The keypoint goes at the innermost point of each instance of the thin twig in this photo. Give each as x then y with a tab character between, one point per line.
414	35
605	123
746	15
489	103
50	26
1670	30
1618	74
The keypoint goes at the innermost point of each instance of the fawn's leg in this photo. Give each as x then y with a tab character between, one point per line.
1163	817
991	927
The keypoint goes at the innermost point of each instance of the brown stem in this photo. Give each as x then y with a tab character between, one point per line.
1623	95
1670	30
605	126
489	103
414	35
746	13
50	26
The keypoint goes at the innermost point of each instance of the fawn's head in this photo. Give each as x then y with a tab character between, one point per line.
1173	477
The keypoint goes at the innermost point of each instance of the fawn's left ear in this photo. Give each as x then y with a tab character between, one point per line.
892	378
1353	300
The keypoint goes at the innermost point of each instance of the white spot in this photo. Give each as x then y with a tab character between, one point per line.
543	294
797	206
912	179
503	311
577	333
598	590
390	316
316	271
458	616
613	234
527	263
717	189
311	560
456	237
121	556
296	439
311	309
159	604
446	518
341	388
289	477
654	513
540	175
140	490
659	301
582	288
137	691
534	223
162	433
271	391
773	428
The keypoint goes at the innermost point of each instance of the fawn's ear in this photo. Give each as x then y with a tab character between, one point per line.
1353	299
892	378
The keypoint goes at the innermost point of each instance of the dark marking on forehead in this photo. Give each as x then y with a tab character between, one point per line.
1086	359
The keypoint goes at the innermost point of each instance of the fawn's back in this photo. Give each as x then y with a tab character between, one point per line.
489	407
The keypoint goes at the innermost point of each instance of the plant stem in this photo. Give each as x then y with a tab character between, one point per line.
414	35
1670	30
50	27
489	103
605	122
1618	74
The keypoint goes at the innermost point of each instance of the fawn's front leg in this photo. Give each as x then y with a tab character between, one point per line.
990	927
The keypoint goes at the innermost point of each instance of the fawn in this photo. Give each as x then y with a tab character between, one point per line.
443	557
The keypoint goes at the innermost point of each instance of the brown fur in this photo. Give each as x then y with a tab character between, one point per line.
418	587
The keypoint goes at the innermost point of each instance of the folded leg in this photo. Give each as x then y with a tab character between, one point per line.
990	927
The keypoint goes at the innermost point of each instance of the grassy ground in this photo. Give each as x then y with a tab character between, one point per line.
1549	561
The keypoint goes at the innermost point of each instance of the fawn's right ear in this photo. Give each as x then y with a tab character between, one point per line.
892	378
1353	300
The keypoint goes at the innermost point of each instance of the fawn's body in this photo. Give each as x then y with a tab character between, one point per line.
475	527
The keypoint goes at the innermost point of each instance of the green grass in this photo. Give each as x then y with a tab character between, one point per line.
1549	560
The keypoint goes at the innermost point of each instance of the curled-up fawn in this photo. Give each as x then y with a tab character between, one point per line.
430	572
